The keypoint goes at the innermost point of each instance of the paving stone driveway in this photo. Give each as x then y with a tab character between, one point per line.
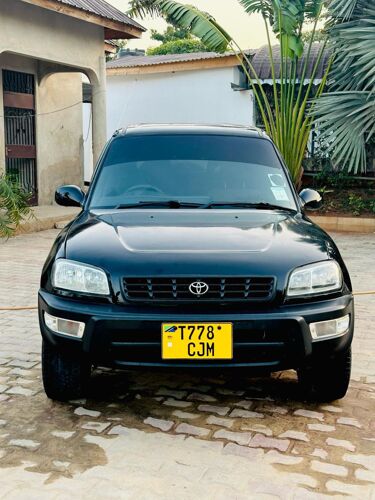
152	435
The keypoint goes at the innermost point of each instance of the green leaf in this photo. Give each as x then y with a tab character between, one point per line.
313	9
142	8
345	118
200	24
354	48
346	9
286	18
264	7
296	45
346	121
13	205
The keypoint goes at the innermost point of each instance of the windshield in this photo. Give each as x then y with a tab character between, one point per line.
195	169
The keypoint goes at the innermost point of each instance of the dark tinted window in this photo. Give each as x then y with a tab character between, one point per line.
192	168
192	147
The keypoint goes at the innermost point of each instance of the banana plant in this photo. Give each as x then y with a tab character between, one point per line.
345	117
285	116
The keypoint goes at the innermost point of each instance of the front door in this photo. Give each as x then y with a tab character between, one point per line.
20	144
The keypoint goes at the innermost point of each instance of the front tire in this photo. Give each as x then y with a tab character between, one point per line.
326	379
65	377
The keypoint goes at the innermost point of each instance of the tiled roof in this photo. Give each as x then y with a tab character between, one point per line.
103	9
260	61
262	65
140	61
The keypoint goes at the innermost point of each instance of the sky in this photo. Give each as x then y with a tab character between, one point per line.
247	30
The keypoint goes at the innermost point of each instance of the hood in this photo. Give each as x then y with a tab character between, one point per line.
185	233
196	242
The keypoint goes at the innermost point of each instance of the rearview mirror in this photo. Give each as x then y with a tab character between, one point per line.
69	196
311	199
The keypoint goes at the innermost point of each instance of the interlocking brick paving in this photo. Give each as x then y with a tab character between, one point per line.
186	435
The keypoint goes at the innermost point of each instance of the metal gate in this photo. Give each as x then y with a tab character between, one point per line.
20	144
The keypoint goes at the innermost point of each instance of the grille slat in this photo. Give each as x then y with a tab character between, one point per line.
176	289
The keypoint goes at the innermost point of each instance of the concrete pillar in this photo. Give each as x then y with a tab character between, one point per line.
59	133
99	114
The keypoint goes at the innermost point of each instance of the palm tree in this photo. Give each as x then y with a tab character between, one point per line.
13	205
284	115
346	115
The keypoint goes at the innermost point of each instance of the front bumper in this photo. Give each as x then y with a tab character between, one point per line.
271	340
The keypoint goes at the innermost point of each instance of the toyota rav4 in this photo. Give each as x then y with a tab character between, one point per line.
193	250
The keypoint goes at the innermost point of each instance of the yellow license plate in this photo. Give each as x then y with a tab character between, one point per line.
197	341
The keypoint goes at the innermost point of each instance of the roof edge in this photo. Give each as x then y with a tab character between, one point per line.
113	29
155	64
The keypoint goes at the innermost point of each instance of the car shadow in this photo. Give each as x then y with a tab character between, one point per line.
108	385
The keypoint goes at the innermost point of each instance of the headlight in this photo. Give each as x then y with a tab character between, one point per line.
315	278
70	275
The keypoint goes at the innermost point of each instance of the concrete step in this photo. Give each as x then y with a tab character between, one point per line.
48	217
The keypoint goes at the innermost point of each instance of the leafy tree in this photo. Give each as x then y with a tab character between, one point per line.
175	40
183	46
171	34
285	119
13	205
346	115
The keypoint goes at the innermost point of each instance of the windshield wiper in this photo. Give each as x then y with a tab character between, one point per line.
156	204
241	204
175	204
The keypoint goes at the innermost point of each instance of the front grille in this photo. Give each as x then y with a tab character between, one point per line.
228	289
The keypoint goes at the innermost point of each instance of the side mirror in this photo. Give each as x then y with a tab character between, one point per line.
69	196
311	199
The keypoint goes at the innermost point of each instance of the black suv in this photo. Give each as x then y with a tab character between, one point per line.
193	250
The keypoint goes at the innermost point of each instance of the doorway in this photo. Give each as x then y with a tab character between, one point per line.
20	143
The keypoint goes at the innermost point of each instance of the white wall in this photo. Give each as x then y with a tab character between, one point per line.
201	96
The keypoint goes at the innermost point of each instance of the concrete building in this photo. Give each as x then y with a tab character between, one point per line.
203	87
177	88
45	48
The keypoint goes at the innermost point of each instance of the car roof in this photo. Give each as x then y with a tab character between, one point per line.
190	129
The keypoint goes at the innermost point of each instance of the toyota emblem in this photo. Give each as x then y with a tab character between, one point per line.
199	288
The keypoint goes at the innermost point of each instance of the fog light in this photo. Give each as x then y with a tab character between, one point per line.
331	328
64	326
